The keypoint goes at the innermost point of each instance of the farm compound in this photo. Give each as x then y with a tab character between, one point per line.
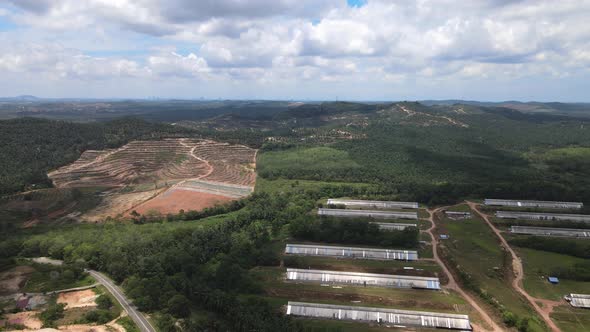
373	204
367	214
390	226
578	300
363	279
390	317
543	216
547	231
351	252
533	204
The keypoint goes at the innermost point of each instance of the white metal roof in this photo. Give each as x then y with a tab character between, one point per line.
389	317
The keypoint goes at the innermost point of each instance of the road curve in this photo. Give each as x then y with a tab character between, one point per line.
142	323
518	271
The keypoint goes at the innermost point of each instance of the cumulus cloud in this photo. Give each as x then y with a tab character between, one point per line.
302	40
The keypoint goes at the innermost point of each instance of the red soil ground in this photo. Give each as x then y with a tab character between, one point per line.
176	199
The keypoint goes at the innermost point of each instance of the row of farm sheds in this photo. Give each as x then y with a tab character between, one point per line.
542	216
575	300
383	316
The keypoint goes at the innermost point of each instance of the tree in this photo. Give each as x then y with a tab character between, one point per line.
179	306
104	302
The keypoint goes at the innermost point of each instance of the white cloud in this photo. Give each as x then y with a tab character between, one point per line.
279	41
174	64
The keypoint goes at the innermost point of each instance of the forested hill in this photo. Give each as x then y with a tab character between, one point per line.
31	147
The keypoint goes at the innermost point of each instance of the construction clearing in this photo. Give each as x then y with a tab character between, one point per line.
373	204
162	176
534	204
362	279
547	231
367	214
388	317
390	226
351	252
578	300
543	216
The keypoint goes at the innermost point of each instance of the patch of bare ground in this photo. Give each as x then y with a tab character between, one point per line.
28	319
176	199
78	299
213	168
12	280
115	204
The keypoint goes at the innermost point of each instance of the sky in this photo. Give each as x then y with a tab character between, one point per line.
488	50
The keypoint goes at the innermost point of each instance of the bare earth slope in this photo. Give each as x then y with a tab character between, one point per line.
162	176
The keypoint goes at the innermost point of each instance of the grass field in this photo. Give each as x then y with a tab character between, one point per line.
539	264
363	265
273	282
49	278
285	185
476	251
425	250
307	162
571	319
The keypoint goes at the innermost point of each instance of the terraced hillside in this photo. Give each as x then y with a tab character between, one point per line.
162	176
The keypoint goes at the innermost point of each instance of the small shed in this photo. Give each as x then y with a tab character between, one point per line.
444	237
553	280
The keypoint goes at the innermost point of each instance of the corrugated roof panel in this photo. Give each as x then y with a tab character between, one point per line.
368	214
533	204
388	317
351	252
373	204
363	279
543	216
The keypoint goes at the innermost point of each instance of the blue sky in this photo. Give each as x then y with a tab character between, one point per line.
297	49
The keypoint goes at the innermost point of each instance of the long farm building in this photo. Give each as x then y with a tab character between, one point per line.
543	216
367	214
388	317
534	204
547	231
390	226
579	300
351	252
373	204
362	279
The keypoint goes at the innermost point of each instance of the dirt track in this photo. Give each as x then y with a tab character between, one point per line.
519	275
453	284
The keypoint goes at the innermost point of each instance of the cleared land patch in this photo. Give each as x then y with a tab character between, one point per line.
176	199
162	176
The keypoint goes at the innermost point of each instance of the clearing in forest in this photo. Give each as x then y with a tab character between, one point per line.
162	176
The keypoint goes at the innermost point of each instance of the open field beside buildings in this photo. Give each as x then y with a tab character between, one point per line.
538	265
273	281
475	254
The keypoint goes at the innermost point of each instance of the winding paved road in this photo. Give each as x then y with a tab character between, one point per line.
142	323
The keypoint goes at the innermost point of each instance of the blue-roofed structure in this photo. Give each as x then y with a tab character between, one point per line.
553	280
